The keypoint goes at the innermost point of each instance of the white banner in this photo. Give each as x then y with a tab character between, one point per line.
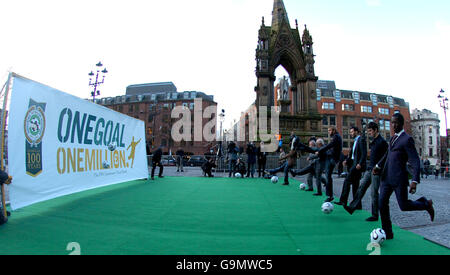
59	144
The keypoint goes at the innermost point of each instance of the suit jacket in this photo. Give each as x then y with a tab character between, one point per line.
378	149
360	154
335	148
157	155
394	163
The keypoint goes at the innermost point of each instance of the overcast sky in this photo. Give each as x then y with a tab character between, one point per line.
395	47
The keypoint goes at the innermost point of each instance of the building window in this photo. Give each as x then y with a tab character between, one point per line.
431	152
348	107
384	111
174	96
430	129
366	109
328	106
431	140
325	121
130	108
191	106
348	121
387	125
332	120
327	93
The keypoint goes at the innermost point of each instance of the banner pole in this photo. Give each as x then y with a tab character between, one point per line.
3	131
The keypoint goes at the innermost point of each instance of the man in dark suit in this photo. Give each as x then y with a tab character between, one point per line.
394	176
156	161
356	162
262	159
288	161
251	159
334	151
315	169
378	148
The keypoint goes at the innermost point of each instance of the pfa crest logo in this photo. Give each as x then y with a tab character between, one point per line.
34	129
34	125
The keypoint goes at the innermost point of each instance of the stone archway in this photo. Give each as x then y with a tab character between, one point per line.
281	45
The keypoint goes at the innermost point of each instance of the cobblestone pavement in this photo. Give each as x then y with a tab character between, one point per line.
417	222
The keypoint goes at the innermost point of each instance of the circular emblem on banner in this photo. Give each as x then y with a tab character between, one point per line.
34	125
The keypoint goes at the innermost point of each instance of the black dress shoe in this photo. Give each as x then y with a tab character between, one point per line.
309	190
286	183
389	236
318	194
372	219
329	199
349	209
161	177
339	203
430	210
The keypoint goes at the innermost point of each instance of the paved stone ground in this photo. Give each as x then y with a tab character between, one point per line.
417	222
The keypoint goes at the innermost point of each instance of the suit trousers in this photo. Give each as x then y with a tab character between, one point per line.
284	168
329	168
351	181
313	171
161	169
401	192
261	168
368	180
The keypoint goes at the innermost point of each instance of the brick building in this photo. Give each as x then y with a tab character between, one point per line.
153	103
344	109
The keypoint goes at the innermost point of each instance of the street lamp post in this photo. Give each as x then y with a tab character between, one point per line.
220	151
443	100
97	83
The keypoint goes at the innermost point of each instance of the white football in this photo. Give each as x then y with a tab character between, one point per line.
238	175
112	146
327	208
303	186
274	179
378	236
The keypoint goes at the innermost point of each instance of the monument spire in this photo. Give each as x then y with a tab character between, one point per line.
279	13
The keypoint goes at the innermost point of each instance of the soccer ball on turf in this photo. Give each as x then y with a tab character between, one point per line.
112	146
303	186
327	208
378	236
274	179
238	175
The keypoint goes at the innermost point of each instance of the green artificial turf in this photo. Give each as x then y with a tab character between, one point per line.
197	216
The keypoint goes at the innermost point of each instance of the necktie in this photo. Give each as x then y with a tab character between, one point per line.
394	139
